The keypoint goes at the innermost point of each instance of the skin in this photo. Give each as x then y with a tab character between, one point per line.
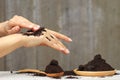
11	39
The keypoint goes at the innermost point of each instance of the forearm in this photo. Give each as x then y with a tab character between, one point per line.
10	43
2	28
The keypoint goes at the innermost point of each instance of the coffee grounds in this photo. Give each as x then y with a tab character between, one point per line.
53	67
97	64
11	72
69	73
36	33
71	77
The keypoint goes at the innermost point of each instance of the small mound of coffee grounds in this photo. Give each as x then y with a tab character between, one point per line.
53	67
36	33
97	64
69	73
54	62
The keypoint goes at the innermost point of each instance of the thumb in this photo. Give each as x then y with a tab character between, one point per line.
13	30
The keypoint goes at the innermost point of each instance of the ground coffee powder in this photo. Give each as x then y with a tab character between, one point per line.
97	64
53	67
35	33
69	73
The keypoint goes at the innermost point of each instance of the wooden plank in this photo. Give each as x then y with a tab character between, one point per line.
2	18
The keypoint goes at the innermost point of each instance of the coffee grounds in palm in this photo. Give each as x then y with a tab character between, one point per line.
35	33
53	67
97	64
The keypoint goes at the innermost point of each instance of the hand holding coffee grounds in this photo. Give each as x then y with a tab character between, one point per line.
97	64
53	67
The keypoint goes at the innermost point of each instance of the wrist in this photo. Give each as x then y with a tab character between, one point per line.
3	27
21	39
18	39
25	40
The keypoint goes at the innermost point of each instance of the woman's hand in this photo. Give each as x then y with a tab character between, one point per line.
18	22
15	24
47	38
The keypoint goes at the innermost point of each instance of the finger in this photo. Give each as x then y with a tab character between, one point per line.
52	45
23	23
13	30
55	44
60	36
53	38
47	41
30	25
64	49
59	43
27	25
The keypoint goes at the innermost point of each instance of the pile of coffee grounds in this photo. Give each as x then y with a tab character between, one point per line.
69	73
35	33
53	67
97	64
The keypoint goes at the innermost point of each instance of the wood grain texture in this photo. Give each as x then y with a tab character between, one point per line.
94	26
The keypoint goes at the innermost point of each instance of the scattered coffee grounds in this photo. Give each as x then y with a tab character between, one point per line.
69	73
53	67
39	74
97	64
71	77
56	77
117	74
36	33
11	72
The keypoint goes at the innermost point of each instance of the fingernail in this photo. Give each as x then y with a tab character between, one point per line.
16	28
36	27
70	39
67	51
